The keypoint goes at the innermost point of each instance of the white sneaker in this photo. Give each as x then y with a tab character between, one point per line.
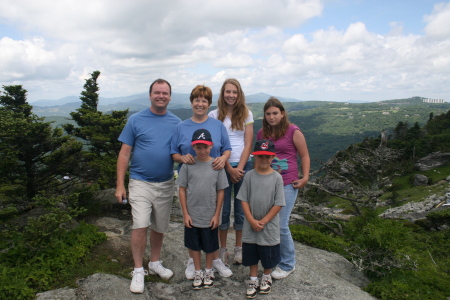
137	282
266	284
220	267
223	255
190	269
198	280
280	274
160	270
252	288
208	279
237	255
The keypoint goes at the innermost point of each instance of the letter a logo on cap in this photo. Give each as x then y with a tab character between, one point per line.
201	136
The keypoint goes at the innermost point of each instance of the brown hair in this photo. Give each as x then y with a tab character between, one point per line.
240	110
201	91
159	81
279	130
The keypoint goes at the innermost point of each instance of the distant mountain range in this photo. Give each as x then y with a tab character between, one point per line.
136	102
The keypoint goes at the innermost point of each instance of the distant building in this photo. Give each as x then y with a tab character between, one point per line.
428	100
385	112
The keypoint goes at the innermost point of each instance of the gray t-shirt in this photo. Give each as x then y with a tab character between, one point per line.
201	183
262	192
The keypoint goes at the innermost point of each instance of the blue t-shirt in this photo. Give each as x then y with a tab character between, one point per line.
150	134
182	137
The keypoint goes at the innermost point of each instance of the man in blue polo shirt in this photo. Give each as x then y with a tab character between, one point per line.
146	140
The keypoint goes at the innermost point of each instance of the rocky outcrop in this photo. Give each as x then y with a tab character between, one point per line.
319	275
433	160
414	211
420	180
334	185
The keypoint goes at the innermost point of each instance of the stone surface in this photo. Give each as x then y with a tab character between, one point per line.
319	275
433	160
420	180
414	211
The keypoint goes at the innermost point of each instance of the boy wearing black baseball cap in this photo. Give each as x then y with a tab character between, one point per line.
262	197
201	192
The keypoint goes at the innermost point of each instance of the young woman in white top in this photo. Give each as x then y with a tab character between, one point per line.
238	121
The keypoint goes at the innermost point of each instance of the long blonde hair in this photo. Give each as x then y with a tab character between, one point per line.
240	110
279	130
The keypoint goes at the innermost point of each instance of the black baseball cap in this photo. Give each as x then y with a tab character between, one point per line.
201	136
264	147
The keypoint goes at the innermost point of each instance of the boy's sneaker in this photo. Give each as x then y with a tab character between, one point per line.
280	274
198	280
266	284
252	288
190	269
223	255
237	255
220	267
137	282
208	279
164	273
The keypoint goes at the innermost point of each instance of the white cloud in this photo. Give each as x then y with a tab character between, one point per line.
192	42
21	60
439	21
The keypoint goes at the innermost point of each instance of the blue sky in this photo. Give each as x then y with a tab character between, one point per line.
376	15
334	50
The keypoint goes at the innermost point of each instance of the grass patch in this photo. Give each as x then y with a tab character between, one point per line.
104	259
405	190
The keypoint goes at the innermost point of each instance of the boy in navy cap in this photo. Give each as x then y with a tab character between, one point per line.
262	197
201	197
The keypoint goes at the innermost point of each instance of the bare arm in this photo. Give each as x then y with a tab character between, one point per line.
186	217
216	218
237	173
248	214
270	215
219	162
302	150
122	167
183	159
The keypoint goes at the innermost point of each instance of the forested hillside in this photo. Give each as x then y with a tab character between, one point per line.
342	210
332	126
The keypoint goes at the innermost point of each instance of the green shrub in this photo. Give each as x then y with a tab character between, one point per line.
45	251
439	218
411	285
314	238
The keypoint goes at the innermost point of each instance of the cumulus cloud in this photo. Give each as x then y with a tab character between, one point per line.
22	60
439	21
196	41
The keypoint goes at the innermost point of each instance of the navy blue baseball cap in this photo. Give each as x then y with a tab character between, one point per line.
201	136
264	147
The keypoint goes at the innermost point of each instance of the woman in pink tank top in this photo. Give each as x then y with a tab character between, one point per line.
289	141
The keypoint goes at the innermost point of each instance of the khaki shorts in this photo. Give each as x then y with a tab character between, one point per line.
151	204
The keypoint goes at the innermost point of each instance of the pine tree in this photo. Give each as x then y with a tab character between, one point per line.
99	132
34	155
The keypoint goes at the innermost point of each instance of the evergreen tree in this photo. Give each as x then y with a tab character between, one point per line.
34	155
100	132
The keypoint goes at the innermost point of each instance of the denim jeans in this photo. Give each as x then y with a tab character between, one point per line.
287	262
226	209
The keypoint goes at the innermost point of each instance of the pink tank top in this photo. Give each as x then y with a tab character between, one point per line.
285	161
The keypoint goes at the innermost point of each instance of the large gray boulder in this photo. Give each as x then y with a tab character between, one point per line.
334	185
420	180
319	275
433	160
